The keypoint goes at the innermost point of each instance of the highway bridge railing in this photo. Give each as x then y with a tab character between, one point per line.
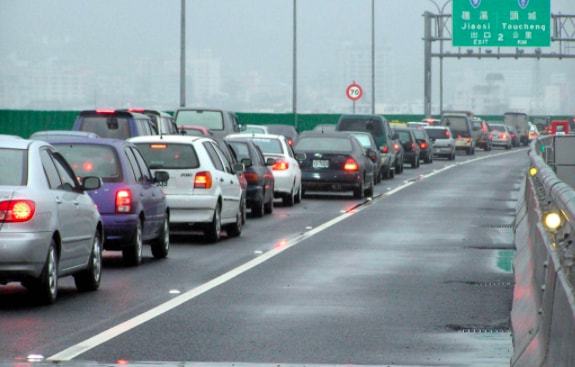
543	313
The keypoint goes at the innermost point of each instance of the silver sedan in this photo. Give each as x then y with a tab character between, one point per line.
49	226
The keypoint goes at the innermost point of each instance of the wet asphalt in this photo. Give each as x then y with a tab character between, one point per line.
420	277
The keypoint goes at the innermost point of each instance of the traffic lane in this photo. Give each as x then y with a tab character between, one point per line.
393	284
126	292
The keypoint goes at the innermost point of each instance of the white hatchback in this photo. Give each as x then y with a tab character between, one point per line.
203	189
286	170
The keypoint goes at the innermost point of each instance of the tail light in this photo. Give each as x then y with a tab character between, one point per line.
16	211
397	147
203	180
384	149
290	142
413	146
105	111
447	134
280	166
252	177
423	145
123	201
350	165
503	136
491	136
136	109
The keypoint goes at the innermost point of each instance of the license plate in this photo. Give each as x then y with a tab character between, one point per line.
320	164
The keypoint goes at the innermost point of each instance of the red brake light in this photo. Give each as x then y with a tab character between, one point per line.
138	109
203	180
290	142
280	166
251	177
350	165
396	147
87	166
123	201
413	146
447	134
502	136
16	211
158	146
105	111
384	149
423	145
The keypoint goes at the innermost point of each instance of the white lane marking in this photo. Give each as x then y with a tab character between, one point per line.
122	328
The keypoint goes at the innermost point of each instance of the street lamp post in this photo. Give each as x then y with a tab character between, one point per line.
441	10
373	57
294	66
183	54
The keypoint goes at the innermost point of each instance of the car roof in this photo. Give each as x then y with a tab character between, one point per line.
13	143
83	140
112	112
189	139
201	109
146	111
250	135
327	134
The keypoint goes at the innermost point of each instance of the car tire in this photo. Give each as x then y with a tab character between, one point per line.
46	287
359	193
508	147
269	206
244	211
88	280
289	199
235	229
213	231
452	156
370	189
299	195
133	253
258	208
161	245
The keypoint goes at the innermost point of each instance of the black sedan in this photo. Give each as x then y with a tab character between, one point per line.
410	146
260	190
336	161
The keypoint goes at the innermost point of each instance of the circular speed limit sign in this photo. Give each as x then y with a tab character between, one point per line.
354	91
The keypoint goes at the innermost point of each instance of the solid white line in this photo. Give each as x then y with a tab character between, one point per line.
105	336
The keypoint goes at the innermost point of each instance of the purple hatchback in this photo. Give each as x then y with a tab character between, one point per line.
132	206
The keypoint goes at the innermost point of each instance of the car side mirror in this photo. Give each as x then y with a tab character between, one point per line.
247	162
300	156
161	177
238	167
270	162
91	183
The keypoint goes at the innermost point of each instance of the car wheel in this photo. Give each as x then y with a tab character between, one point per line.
133	253
244	211
299	195
235	229
89	279
359	192
161	245
369	191
289	200
452	156
258	208
213	232
414	162
507	147
269	206
46	287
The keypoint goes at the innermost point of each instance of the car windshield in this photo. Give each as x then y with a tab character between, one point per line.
321	144
169	156
458	125
92	160
213	120
106	127
437	133
269	146
363	140
13	167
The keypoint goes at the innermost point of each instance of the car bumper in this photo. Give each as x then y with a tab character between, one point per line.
191	208
463	144
408	156
330	181
500	143
283	183
23	255
118	229
254	194
443	151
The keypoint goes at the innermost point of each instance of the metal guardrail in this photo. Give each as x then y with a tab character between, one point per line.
543	315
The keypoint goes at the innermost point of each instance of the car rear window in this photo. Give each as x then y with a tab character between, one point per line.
321	144
169	156
437	133
92	160
363	140
498	128
269	146
13	167
282	130
419	134
241	150
458	125
213	120
404	136
366	125
106	126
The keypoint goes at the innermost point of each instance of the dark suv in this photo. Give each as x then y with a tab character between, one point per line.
114	124
383	135
221	123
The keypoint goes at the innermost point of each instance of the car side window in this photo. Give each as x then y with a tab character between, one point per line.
50	170
224	158
260	156
134	165
235	123
69	183
214	156
142	164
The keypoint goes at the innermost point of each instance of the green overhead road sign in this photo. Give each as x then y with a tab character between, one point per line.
502	23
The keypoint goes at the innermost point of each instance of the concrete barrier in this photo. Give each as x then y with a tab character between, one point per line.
543	313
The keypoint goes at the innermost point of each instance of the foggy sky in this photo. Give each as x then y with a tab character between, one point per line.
126	52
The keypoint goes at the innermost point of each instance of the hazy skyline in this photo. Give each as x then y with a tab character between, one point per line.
75	54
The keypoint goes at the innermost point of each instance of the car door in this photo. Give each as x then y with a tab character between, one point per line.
293	164
75	232
152	198
231	186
